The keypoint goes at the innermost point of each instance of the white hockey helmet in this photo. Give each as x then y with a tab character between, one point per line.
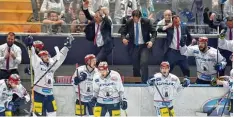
165	64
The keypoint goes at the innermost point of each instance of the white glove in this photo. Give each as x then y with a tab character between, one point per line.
57	52
27	98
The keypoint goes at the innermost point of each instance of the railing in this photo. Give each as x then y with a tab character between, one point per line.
195	30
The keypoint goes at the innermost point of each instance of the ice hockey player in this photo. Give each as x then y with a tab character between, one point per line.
108	92
85	82
44	68
208	64
20	99
38	45
228	83
225	44
6	94
164	86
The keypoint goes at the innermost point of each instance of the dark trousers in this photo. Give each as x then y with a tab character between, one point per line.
5	74
199	81
226	54
101	54
175	58
140	55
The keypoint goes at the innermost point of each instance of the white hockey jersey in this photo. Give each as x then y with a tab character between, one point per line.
205	61
86	86
108	90
5	95
226	44
21	92
229	84
168	86
45	85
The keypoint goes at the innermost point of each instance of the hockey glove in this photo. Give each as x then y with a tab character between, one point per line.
124	104
151	82
222	33
93	101
182	41
10	106
27	70
68	42
218	67
28	41
77	80
186	82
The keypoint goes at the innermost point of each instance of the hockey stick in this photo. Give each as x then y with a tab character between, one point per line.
170	114
218	103
32	81
225	103
77	74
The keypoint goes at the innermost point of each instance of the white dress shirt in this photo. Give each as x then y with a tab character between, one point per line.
99	39
140	40
174	40
161	23
13	63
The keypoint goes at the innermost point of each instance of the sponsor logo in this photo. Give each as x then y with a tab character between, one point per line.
46	90
158	79
219	104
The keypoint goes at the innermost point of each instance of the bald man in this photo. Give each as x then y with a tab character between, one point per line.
166	20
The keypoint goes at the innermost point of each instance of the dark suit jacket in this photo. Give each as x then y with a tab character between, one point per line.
170	34
105	31
147	27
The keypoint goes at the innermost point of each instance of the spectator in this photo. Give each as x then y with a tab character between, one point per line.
67	17
212	20
139	43
97	4
228	8
166	20
10	57
75	7
172	44
53	23
79	24
48	5
99	31
123	9
147	9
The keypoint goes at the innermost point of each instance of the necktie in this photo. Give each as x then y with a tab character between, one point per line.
8	59
230	34
95	38
178	39
137	34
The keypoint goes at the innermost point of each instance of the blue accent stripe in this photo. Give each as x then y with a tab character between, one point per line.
141	85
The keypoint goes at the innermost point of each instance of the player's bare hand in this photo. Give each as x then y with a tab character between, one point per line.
7	55
125	41
149	44
13	55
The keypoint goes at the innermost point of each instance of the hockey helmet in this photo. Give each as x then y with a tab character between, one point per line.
103	66
203	39
38	44
89	57
15	78
43	53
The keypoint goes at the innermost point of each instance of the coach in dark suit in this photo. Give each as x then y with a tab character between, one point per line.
175	31
139	42
99	31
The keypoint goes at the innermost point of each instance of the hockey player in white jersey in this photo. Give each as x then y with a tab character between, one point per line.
44	68
6	94
207	61
108	92
85	81
164	86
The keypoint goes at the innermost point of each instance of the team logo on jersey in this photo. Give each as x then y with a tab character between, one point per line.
158	79
114	78
97	80
209	105
107	92
196	52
